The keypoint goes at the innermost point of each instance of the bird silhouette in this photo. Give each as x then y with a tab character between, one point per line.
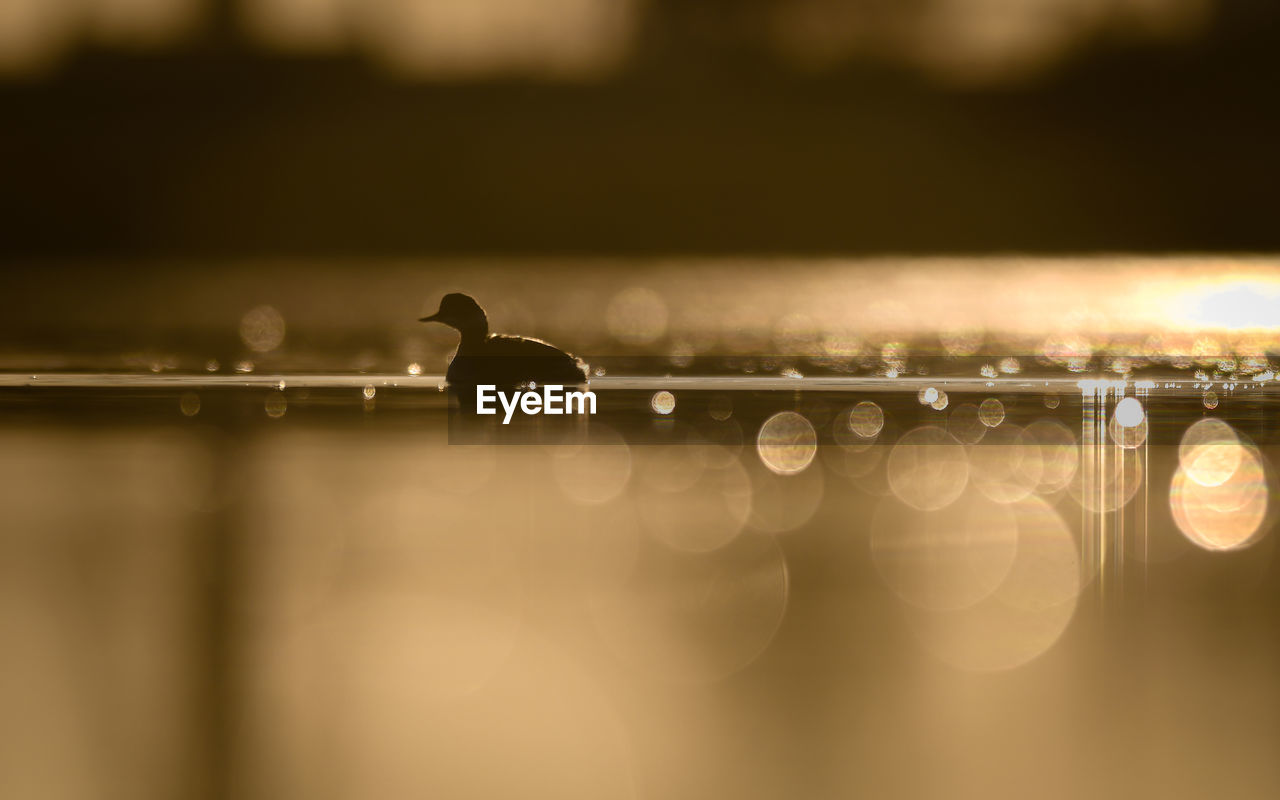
506	362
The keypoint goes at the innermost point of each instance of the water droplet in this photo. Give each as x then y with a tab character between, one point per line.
189	404
369	391
1051	401
414	369
1210	400
211	365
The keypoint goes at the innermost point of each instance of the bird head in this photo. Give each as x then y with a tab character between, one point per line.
459	311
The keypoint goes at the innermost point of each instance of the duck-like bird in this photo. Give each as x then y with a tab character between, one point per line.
506	362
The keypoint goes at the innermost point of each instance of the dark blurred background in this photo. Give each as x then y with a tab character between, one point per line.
215	128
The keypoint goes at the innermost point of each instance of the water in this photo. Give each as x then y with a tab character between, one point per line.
787	575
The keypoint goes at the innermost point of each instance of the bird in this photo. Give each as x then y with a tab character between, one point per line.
507	362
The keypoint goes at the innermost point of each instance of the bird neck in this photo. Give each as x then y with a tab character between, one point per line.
473	332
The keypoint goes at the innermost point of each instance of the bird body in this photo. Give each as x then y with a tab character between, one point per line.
510	361
506	362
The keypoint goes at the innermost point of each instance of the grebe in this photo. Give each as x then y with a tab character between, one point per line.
504	361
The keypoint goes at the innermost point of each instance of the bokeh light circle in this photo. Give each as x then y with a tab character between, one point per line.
787	443
276	405
928	469
866	420
946	559
262	329
991	412
1209	452
782	503
1059	453
637	316
1129	413
1027	614
593	472
1007	465
663	402
696	617
699	515
1220	493
964	424
1110	484
1129	437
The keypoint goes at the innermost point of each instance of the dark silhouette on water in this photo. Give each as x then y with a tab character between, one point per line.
503	361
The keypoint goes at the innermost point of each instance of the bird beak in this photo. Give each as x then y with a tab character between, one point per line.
434	317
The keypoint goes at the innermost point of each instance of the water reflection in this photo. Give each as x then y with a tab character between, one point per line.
392	591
